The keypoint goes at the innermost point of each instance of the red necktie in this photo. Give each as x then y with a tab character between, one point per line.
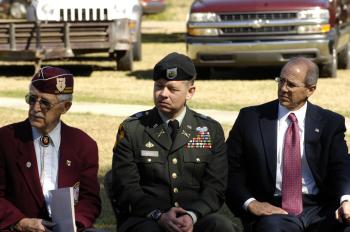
291	180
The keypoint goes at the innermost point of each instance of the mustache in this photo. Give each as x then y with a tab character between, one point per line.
33	115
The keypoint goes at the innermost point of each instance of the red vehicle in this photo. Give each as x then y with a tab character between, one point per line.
152	6
241	33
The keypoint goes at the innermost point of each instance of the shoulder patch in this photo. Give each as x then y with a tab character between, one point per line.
138	115
120	136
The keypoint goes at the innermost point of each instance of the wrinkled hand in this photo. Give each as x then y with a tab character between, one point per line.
263	209
187	223
171	221
30	225
342	214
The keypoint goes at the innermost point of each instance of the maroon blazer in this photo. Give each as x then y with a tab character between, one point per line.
20	190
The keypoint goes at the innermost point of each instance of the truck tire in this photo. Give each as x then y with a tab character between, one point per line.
203	72
137	46
330	69
124	60
344	58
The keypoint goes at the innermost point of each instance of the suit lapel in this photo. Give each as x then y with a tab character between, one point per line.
154	126
268	126
313	129
185	132
27	163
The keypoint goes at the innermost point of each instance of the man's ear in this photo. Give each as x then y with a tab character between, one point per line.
67	106
310	90
190	92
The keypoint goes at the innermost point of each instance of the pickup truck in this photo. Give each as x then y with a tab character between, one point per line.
37	30
243	33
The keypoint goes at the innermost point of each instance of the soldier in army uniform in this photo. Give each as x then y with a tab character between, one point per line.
169	165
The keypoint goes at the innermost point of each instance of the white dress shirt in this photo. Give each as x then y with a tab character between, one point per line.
47	160
308	181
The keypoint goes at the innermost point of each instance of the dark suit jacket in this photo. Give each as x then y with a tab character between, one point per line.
20	190
143	165
252	145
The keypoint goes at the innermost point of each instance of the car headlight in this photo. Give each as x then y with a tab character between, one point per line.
202	31
312	29
314	14
18	10
203	17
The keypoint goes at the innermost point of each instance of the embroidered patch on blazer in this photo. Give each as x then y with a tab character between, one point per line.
201	139
76	192
147	153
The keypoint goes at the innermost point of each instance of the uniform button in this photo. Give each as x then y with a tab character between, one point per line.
198	159
174	175
176	190
176	204
149	160
174	161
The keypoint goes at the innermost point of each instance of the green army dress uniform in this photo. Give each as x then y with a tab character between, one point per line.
152	172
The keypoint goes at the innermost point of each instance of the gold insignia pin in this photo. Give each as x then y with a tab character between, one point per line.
69	163
161	132
149	144
185	134
189	127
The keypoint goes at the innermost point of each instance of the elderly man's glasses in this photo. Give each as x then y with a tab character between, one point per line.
290	85
44	103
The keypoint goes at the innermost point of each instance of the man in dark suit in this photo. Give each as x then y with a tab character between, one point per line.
42	154
288	160
169	163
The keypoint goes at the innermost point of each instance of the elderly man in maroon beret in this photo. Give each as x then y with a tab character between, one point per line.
42	154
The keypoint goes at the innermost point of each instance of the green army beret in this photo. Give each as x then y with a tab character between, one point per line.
174	67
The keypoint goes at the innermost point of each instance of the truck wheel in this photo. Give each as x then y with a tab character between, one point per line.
330	69
137	46
124	60
344	58
203	72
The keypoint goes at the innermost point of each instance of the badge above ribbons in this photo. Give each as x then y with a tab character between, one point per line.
202	139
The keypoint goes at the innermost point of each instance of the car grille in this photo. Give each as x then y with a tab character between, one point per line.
262	30
84	14
245	29
254	16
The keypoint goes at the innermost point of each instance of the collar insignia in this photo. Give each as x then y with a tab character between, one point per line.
149	144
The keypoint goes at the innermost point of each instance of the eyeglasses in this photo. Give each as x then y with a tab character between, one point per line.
290	85
44	103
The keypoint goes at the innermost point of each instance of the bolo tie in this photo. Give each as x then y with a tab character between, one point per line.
45	140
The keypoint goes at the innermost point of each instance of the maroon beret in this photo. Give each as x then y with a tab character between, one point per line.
53	80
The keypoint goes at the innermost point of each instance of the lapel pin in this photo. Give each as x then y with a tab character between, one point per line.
28	164
317	130
69	163
155	125
149	144
160	133
185	134
189	127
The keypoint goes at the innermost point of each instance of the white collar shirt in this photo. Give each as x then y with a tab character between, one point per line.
308	181
47	161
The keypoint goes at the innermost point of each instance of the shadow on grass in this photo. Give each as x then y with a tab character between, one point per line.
78	70
251	73
163	38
